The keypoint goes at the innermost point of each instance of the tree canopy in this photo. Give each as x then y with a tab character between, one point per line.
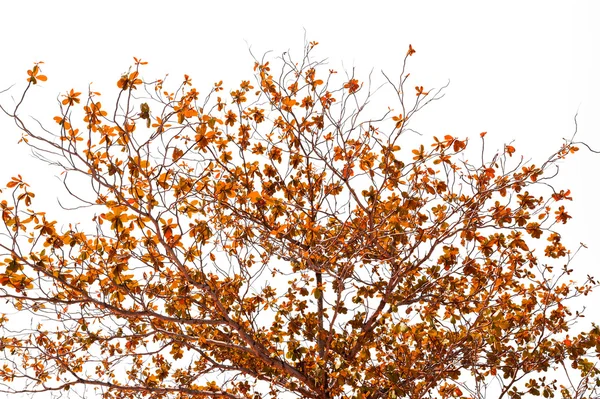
285	239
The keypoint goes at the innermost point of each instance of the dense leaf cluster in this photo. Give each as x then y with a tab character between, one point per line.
277	240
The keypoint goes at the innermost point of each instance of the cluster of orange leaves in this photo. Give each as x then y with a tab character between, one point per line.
266	237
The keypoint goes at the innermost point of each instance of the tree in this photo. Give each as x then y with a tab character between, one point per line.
277	241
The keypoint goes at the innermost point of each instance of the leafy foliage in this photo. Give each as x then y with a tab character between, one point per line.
275	239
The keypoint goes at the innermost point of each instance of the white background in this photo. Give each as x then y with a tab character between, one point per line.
520	70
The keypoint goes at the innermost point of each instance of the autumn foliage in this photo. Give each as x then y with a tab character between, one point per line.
285	239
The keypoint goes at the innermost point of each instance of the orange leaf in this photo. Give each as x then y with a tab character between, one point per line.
567	342
352	86
254	196
177	154
420	91
459	145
